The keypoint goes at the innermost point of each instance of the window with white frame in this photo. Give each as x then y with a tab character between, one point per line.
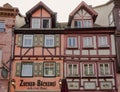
88	70
27	40
46	23
87	42
27	70
104	69
72	42
2	26
49	41
35	23
0	57
72	70
87	23
78	23
103	41
49	69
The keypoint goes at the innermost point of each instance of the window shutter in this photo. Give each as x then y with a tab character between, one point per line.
19	41
57	40
18	69
75	24
36	69
57	69
38	39
40	69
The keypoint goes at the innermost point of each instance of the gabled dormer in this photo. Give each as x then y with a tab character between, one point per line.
82	16
40	16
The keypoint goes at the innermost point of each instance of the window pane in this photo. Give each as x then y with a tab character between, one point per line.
87	42
28	41
103	41
72	42
35	23
49	40
70	69
87	23
46	23
78	24
49	69
27	69
2	26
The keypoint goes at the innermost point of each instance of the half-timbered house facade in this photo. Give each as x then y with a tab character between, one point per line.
91	66
83	53
37	62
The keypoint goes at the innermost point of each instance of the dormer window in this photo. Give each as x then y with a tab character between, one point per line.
46	23
83	23
35	22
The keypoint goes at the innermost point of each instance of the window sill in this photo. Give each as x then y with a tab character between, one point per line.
88	47
104	47
72	47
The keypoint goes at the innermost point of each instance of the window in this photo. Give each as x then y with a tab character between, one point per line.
27	40
72	42
87	23
35	22
49	69
27	70
87	42
78	24
104	69
103	41
72	70
88	70
0	57
46	23
49	41
2	26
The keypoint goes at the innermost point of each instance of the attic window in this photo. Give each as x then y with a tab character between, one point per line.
35	23
46	23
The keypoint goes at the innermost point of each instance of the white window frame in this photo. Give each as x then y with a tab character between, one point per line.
103	41
49	41
79	23
27	37
103	71
87	23
49	24
72	42
25	68
2	26
72	72
51	73
88	74
35	23
88	42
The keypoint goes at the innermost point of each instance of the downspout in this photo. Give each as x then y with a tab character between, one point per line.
11	58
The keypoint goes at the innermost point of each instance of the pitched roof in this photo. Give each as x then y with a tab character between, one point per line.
37	6
83	5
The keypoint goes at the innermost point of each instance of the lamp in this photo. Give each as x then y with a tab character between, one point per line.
60	83
13	83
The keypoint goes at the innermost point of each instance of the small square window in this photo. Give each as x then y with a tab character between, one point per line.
87	42
46	23
105	69
49	41
49	69
35	22
71	42
2	26
88	70
103	41
87	23
27	70
27	40
72	70
78	23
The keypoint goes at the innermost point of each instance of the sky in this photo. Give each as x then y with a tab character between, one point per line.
62	7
